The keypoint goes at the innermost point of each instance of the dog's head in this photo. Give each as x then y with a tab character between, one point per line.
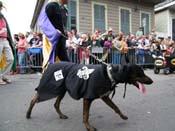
131	74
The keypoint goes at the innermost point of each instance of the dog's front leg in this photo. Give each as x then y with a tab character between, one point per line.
109	102
86	109
32	104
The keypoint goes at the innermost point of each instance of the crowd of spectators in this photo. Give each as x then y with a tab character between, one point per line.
119	48
122	46
24	44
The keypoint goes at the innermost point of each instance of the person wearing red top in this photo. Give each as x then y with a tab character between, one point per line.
5	49
21	46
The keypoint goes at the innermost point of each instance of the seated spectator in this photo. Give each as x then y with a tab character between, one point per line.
21	47
155	48
163	46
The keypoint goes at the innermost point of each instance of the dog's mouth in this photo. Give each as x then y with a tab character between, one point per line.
140	86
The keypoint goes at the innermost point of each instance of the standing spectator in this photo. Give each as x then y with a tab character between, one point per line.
173	49
16	39
71	44
141	53
139	33
96	39
33	40
21	46
35	53
109	38
152	35
5	49
39	41
124	52
128	40
117	48
108	44
28	37
74	33
83	49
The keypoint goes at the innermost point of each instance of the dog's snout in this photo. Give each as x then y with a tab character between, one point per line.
148	80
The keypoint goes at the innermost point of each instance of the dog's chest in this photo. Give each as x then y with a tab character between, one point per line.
105	94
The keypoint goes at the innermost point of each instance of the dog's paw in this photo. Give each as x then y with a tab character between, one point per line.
63	117
92	129
124	117
28	115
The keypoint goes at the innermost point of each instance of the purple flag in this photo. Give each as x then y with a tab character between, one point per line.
49	30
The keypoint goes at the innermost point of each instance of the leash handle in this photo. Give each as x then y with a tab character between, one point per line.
97	59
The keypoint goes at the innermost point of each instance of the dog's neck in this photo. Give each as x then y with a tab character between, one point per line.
109	69
119	73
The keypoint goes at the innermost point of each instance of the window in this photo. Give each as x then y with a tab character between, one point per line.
145	22
72	17
99	17
125	21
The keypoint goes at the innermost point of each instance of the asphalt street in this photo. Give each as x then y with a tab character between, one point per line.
154	111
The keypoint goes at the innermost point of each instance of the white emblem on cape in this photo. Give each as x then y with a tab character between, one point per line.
58	75
84	73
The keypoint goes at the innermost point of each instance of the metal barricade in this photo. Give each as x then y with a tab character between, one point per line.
33	60
34	57
108	55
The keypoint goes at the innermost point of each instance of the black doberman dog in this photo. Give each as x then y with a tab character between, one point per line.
89	82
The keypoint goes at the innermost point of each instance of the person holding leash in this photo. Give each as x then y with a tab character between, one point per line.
52	21
6	54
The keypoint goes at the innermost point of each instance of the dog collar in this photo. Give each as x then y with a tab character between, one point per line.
109	68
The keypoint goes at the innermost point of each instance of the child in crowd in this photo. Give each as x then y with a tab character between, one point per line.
21	49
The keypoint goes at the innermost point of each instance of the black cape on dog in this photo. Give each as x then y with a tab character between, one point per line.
81	81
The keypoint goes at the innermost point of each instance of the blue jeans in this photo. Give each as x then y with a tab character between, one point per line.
141	59
116	56
22	62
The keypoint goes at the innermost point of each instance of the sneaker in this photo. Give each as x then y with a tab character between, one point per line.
6	80
2	82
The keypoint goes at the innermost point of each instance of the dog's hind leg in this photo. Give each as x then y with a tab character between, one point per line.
57	106
32	103
86	109
109	102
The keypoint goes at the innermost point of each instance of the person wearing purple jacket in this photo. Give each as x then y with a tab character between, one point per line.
52	21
